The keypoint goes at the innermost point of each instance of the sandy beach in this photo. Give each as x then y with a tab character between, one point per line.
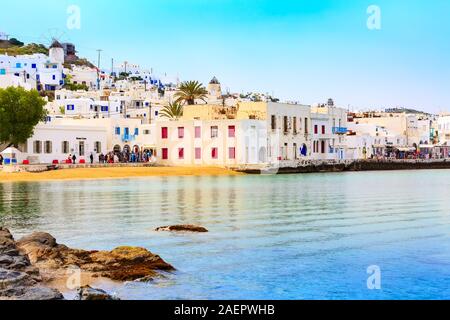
114	173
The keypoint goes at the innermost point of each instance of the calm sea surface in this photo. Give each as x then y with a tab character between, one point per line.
271	237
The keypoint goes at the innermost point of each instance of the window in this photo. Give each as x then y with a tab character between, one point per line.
136	131
98	147
198	153
323	129
70	107
37	147
198	132
33	65
295	125
306	126
118	131
164	133
232	153
146	132
181	153
273	122
316	129
214	153
180	132
81	149
323	147
104	108
48	147
285	124
54	77
214	132
18	65
65	147
231	131
2	72
165	153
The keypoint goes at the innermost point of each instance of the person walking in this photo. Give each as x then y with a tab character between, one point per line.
91	157
74	159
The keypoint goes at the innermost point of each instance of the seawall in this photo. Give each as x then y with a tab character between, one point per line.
351	166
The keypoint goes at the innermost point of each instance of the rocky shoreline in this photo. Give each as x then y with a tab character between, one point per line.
29	264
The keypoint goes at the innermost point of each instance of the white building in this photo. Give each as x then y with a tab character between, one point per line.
35	71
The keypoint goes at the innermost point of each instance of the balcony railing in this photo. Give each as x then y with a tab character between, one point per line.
340	130
128	137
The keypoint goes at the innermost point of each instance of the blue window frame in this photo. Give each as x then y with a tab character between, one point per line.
33	65
55	66
2	71
118	130
54	77
136	131
70	107
104	108
38	77
18	65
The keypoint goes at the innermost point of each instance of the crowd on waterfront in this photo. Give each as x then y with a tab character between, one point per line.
116	157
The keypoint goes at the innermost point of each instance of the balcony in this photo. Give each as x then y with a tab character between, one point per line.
340	130
128	137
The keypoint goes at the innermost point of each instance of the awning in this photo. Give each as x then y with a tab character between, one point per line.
406	149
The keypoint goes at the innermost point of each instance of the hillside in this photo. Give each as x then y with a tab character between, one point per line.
14	47
13	50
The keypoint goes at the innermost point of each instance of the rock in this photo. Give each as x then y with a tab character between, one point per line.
88	293
19	280
122	264
41	293
185	228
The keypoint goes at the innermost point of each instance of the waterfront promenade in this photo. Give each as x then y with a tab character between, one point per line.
121	170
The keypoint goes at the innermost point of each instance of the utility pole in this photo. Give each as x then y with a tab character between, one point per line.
112	66
125	64
98	68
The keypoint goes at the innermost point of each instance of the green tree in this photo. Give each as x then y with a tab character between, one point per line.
72	86
190	91
172	111
20	112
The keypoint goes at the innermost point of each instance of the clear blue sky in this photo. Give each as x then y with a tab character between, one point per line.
304	50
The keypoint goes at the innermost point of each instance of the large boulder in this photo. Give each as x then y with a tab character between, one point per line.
19	279
182	228
122	264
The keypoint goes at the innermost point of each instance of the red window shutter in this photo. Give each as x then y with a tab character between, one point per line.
198	153
232	131
232	153
164	133
323	129
214	154
181	153
198	132
316	129
165	153
181	132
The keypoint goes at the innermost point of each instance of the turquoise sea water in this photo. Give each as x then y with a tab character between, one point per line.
271	237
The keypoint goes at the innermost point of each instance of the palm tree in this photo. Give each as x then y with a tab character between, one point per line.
189	91
172	111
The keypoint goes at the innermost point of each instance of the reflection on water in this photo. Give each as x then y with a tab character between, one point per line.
271	237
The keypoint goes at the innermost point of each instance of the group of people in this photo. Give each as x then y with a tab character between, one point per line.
126	157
